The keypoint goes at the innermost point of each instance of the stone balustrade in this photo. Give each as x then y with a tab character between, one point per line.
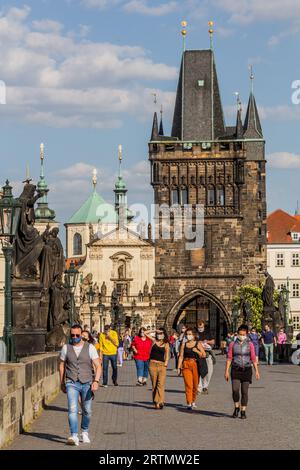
24	389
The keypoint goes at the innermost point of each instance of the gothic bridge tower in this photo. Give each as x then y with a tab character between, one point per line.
223	168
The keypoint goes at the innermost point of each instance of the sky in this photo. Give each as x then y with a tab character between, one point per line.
80	75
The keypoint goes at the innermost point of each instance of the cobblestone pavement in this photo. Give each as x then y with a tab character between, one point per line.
123	417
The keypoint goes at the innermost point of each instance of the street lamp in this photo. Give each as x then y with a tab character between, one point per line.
101	308
285	295
71	278
91	298
10	211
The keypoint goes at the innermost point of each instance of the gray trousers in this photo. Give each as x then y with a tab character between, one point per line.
204	383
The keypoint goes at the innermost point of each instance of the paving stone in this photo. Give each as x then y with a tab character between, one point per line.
123	417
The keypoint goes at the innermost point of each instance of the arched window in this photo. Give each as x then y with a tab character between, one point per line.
211	196
77	244
220	196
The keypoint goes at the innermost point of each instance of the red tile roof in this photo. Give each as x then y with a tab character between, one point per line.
280	224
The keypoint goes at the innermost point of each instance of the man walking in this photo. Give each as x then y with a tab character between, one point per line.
80	371
268	339
108	347
208	342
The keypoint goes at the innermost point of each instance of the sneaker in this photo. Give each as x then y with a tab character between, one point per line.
85	437
139	384
105	386
144	383
73	440
194	405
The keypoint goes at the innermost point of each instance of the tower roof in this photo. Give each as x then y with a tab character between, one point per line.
252	126
95	208
198	111
155	132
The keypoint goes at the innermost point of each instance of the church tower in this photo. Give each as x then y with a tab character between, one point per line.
222	168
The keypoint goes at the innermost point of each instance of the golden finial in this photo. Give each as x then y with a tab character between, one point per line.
42	151
251	77
120	151
184	32
94	179
211	33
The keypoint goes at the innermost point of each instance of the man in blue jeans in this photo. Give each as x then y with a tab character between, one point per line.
108	346
268	340
80	371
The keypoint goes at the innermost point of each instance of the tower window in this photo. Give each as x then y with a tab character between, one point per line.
184	197
211	197
77	244
175	196
220	196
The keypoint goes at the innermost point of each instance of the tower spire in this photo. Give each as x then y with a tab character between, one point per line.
239	123
252	125
43	213
155	132
161	127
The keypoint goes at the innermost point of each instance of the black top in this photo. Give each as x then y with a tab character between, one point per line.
188	353
205	335
158	353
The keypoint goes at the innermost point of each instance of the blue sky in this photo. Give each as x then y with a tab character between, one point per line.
80	76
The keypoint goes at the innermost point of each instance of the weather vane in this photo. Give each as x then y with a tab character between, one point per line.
42	151
238	101
155	97
251	77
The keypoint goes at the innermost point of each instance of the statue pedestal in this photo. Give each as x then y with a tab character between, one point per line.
29	327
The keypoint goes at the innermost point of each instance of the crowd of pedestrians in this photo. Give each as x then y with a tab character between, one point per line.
88	356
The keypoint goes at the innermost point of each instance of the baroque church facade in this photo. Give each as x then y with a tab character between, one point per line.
204	162
115	260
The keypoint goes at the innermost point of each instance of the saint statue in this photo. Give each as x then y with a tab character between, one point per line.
268	291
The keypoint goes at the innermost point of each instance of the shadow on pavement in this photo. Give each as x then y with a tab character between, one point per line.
134	405
54	408
213	414
46	436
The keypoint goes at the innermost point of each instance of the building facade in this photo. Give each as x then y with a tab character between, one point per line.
221	168
115	261
283	236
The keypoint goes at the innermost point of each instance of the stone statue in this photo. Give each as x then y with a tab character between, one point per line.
97	292
52	260
85	287
281	307
146	289
103	290
268	291
247	312
28	243
140	296
121	271
149	232
153	290
59	303
114	297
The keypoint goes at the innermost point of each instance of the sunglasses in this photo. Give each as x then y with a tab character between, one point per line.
75	336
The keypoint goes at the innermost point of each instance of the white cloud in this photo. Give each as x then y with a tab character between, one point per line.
247	11
59	79
100	3
283	160
143	7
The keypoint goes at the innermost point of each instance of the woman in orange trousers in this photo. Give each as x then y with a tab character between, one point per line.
190	351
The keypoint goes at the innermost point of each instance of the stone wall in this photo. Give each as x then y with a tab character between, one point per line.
24	389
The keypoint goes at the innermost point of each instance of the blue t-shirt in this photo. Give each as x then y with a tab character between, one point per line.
268	337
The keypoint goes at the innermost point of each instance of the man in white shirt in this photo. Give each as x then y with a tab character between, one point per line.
80	371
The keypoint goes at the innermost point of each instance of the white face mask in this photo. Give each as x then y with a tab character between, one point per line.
242	338
160	336
201	329
190	337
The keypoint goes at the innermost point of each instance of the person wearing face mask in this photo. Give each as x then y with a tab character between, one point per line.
190	352
240	358
79	361
208	342
141	347
181	339
159	358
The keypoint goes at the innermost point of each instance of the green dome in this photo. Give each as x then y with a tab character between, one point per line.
95	208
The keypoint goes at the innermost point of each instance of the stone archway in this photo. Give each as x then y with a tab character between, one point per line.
215	309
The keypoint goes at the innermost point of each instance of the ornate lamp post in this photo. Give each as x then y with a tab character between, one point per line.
91	298
101	308
10	210
71	278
